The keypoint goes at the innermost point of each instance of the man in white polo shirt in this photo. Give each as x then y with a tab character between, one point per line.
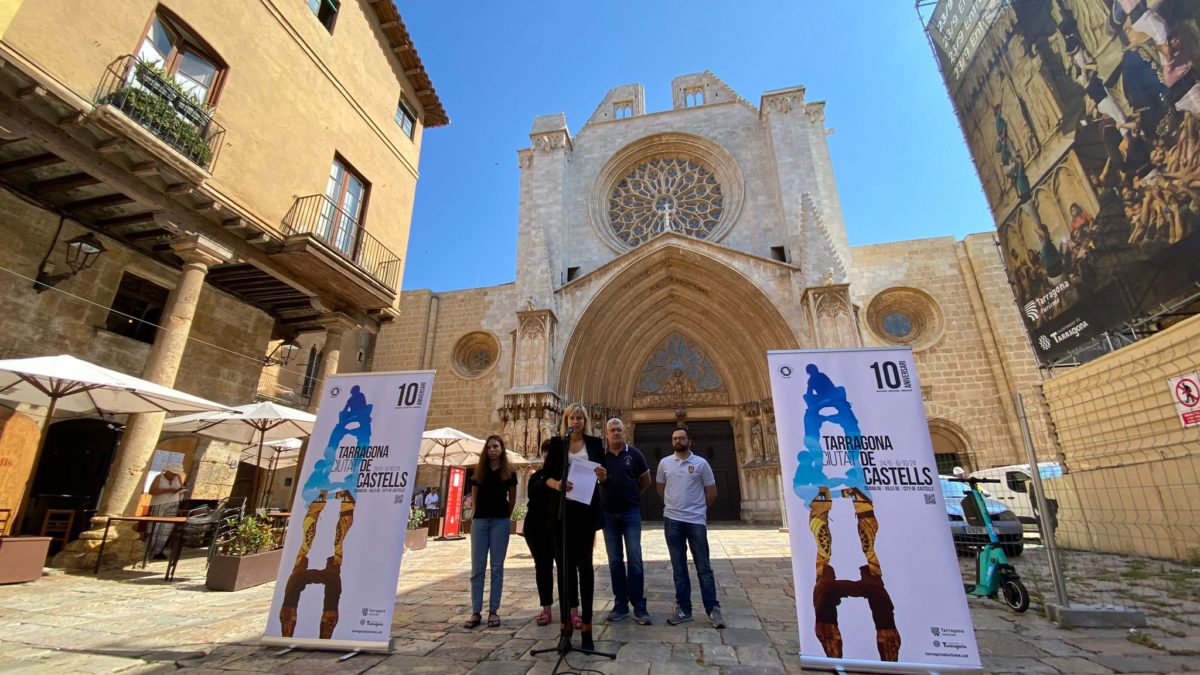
687	487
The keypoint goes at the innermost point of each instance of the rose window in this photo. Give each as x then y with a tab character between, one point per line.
665	195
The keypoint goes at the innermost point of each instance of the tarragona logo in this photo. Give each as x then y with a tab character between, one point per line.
1031	310
1045	343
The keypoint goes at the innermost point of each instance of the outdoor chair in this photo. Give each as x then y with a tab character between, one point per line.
224	529
186	535
57	525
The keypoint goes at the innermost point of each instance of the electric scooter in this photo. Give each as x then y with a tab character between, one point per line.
994	575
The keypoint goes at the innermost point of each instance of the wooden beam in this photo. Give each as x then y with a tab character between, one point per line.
401	49
112	145
63	183
235	223
120	221
409	72
18	118
73	120
27	163
31	92
146	235
389	24
179	189
145	169
102	201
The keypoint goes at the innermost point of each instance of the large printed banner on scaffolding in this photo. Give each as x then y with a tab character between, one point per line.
877	582
337	579
1083	119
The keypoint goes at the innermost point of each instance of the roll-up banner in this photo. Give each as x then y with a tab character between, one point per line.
336	586
878	586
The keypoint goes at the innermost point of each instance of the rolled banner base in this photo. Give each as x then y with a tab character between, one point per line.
331	645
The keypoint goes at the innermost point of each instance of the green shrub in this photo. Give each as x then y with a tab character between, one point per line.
253	535
416	518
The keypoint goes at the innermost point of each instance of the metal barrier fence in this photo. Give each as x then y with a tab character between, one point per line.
1118	525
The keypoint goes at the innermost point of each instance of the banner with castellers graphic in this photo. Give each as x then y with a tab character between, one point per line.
336	586
878	587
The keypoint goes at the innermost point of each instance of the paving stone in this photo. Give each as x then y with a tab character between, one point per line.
1146	664
1075	664
501	668
741	636
719	655
1015	664
405	664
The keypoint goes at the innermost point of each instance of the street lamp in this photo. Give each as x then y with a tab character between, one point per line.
82	252
283	353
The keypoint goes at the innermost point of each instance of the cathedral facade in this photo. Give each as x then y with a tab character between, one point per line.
662	254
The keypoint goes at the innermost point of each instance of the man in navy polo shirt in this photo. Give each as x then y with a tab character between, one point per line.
622	480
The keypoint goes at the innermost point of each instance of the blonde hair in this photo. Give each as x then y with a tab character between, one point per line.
570	410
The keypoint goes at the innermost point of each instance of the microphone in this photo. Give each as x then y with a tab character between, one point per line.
570	431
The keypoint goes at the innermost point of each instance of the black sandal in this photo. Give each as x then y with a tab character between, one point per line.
473	622
493	620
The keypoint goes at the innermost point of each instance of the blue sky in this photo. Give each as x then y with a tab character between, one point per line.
902	167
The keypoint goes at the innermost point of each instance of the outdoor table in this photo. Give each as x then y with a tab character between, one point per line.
153	520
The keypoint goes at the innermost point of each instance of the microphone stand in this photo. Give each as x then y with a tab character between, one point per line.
564	610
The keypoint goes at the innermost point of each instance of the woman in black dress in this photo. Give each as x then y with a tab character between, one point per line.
540	538
582	520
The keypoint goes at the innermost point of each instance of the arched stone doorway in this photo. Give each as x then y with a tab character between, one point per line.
678	336
950	446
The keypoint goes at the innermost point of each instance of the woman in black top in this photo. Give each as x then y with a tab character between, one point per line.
494	493
540	538
582	520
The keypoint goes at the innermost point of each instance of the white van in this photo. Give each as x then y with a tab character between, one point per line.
1014	490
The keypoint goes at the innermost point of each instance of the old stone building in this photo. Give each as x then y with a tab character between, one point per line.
241	180
662	254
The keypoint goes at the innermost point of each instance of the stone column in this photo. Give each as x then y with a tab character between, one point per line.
124	484
125	479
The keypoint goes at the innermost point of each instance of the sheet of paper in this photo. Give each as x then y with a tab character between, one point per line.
582	477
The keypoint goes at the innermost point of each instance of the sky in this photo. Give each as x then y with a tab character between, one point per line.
901	164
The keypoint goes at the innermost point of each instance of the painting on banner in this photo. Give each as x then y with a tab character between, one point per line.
336	586
877	580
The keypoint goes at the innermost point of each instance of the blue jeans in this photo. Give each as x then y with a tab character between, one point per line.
681	536
629	585
488	535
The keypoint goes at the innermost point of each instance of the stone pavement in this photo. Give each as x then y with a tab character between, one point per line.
133	621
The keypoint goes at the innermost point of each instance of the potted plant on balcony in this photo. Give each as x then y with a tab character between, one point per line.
417	535
159	103
518	518
249	556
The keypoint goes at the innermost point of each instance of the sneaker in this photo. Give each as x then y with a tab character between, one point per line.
576	622
679	617
715	618
617	615
642	617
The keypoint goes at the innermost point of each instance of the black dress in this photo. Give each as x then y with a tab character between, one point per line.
583	520
539	537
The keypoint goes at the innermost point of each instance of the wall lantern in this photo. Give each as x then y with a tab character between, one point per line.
82	252
283	353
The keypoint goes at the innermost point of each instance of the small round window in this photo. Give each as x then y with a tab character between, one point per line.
905	316
475	354
898	325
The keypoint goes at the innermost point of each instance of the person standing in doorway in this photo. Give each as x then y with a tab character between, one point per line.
494	493
626	476
688	487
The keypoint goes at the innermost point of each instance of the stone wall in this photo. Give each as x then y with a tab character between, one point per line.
424	337
222	359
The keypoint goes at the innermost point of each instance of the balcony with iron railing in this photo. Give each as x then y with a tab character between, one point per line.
147	96
319	217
